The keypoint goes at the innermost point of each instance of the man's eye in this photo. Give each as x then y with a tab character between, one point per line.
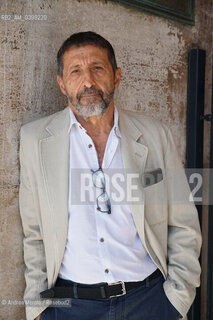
98	68
75	71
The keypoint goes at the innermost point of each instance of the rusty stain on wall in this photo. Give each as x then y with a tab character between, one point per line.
152	53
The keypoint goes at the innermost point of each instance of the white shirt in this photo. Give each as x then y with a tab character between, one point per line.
100	247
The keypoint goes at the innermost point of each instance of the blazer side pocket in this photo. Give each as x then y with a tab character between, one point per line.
155	201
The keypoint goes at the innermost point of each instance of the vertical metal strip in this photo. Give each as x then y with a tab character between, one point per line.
210	227
195	108
194	135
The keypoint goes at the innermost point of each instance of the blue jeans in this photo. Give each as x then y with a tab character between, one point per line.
147	302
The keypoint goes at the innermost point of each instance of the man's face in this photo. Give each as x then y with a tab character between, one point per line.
88	80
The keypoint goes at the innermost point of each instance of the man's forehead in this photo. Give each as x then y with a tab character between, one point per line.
86	51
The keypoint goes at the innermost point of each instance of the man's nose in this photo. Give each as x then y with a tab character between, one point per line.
88	79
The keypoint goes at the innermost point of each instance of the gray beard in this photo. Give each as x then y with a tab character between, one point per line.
92	109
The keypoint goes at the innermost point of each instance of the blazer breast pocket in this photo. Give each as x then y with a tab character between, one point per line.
155	196
150	178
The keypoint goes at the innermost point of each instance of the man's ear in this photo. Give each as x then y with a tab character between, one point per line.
117	77
61	84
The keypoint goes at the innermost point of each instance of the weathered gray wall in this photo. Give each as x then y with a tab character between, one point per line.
153	55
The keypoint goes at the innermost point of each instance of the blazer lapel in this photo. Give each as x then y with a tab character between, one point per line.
54	155
134	154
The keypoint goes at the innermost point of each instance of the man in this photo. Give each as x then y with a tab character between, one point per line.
132	259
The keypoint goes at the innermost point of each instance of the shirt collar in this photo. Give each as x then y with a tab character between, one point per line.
115	127
73	121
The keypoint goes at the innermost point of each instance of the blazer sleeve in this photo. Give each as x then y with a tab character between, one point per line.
184	235
34	255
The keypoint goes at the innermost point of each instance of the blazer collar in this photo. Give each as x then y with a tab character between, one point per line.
60	123
127	127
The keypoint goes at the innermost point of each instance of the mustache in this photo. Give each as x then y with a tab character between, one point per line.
89	91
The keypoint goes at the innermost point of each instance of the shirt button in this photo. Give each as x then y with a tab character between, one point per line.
102	239
90	146
106	270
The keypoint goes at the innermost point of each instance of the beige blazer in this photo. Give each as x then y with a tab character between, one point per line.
166	220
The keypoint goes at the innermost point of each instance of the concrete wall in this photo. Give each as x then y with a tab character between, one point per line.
153	55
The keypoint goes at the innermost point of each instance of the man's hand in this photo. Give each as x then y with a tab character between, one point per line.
37	318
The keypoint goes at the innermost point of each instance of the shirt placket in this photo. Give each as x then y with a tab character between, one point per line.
102	239
102	217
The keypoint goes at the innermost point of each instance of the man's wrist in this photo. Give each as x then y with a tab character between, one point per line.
38	317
